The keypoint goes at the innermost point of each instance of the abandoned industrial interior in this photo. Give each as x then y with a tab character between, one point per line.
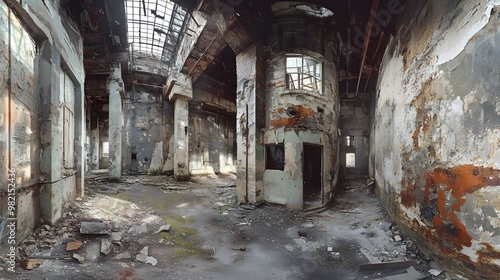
239	139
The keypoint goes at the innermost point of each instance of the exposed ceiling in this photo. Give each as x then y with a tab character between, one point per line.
365	27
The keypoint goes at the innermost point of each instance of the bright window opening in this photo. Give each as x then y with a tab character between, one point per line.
350	160
303	72
105	149
349	141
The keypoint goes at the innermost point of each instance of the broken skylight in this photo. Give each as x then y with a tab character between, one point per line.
154	27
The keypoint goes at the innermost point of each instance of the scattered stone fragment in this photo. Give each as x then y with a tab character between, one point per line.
105	246
163	228
46	227
330	249
79	258
95	228
124	255
78	199
144	251
435	272
151	260
72	246
141	258
30	264
397	238
308	225
116	236
30	241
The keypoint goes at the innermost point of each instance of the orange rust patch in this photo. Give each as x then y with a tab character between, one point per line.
447	231
296	119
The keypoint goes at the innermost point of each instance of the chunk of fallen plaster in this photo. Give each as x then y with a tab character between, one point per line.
73	245
30	264
105	246
79	258
124	255
116	236
144	251
435	272
397	238
95	228
151	260
163	228
141	258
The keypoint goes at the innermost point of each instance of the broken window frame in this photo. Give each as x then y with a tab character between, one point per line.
68	88
303	72
273	154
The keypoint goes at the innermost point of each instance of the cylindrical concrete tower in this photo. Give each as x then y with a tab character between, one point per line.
302	107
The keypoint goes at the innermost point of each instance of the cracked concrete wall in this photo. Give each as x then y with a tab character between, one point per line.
36	42
295	117
436	146
145	131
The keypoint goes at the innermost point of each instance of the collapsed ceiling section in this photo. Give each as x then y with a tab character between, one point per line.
155	28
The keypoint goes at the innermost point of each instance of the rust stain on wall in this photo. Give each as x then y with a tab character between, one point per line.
444	195
423	121
296	116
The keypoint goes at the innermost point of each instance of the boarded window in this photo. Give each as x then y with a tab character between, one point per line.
68	101
350	160
275	157
303	72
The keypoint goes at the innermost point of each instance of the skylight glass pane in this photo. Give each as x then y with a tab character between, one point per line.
150	23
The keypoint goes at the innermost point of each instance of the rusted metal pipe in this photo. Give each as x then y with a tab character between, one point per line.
369	28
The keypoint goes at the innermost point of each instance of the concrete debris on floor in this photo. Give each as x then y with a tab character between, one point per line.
196	231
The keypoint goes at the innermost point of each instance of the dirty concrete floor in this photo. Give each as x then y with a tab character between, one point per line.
212	238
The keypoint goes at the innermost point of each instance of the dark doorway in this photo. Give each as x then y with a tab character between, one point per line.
312	175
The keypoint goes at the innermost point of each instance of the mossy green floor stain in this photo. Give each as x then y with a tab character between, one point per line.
182	238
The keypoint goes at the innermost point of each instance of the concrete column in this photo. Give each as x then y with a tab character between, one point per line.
115	90
80	137
250	119
94	139
181	139
51	136
180	92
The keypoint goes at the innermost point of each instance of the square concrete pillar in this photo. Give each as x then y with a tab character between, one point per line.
181	139
115	91
94	139
51	136
250	119
180	91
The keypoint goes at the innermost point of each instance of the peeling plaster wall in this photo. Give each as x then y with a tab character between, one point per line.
296	117
436	148
26	138
145	132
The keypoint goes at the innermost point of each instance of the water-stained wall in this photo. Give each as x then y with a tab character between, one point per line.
436	148
147	131
300	116
41	115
